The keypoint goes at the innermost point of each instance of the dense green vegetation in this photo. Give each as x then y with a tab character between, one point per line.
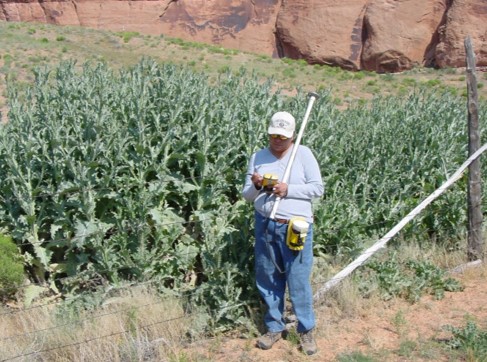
11	268
109	176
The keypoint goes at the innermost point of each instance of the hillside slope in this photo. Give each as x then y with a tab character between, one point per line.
25	46
376	35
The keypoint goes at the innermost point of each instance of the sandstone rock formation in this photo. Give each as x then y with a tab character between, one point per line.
464	17
322	32
377	35
401	34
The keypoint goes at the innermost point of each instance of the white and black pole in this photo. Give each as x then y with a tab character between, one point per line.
312	97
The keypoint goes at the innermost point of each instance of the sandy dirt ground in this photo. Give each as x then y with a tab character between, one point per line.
376	330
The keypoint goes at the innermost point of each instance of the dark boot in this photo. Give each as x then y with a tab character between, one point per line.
308	344
266	341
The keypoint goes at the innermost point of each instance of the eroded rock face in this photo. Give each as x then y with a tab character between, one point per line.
464	18
401	34
238	24
322	32
377	35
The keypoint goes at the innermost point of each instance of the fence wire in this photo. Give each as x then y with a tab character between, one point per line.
319	294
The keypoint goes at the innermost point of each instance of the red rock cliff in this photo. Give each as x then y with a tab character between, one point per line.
377	35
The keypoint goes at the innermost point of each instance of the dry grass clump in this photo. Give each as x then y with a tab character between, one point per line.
137	325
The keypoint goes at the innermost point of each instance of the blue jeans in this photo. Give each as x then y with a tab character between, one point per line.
276	265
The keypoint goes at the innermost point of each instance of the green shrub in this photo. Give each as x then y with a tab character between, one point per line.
471	340
128	35
224	69
452	90
432	83
287	60
409	82
289	72
359	75
411	279
11	268
346	76
369	73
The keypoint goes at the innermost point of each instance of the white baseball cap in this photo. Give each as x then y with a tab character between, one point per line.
282	123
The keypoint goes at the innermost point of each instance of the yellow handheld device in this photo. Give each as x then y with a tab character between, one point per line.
269	181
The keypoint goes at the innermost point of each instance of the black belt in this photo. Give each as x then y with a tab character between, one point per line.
281	221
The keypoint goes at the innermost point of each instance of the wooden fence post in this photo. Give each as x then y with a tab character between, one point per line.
475	239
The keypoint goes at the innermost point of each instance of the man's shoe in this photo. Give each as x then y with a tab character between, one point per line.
308	344
266	341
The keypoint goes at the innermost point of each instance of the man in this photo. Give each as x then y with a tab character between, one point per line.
277	262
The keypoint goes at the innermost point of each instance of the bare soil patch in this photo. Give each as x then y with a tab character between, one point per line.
379	330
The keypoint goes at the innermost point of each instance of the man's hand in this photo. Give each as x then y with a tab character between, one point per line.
257	180
280	189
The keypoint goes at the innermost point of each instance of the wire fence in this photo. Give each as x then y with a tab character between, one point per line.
415	212
88	340
185	314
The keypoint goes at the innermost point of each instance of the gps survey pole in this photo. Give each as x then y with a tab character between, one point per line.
312	97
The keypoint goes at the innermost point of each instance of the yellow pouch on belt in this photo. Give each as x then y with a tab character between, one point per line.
296	233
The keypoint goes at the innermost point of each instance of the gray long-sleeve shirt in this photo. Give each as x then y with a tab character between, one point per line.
304	183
